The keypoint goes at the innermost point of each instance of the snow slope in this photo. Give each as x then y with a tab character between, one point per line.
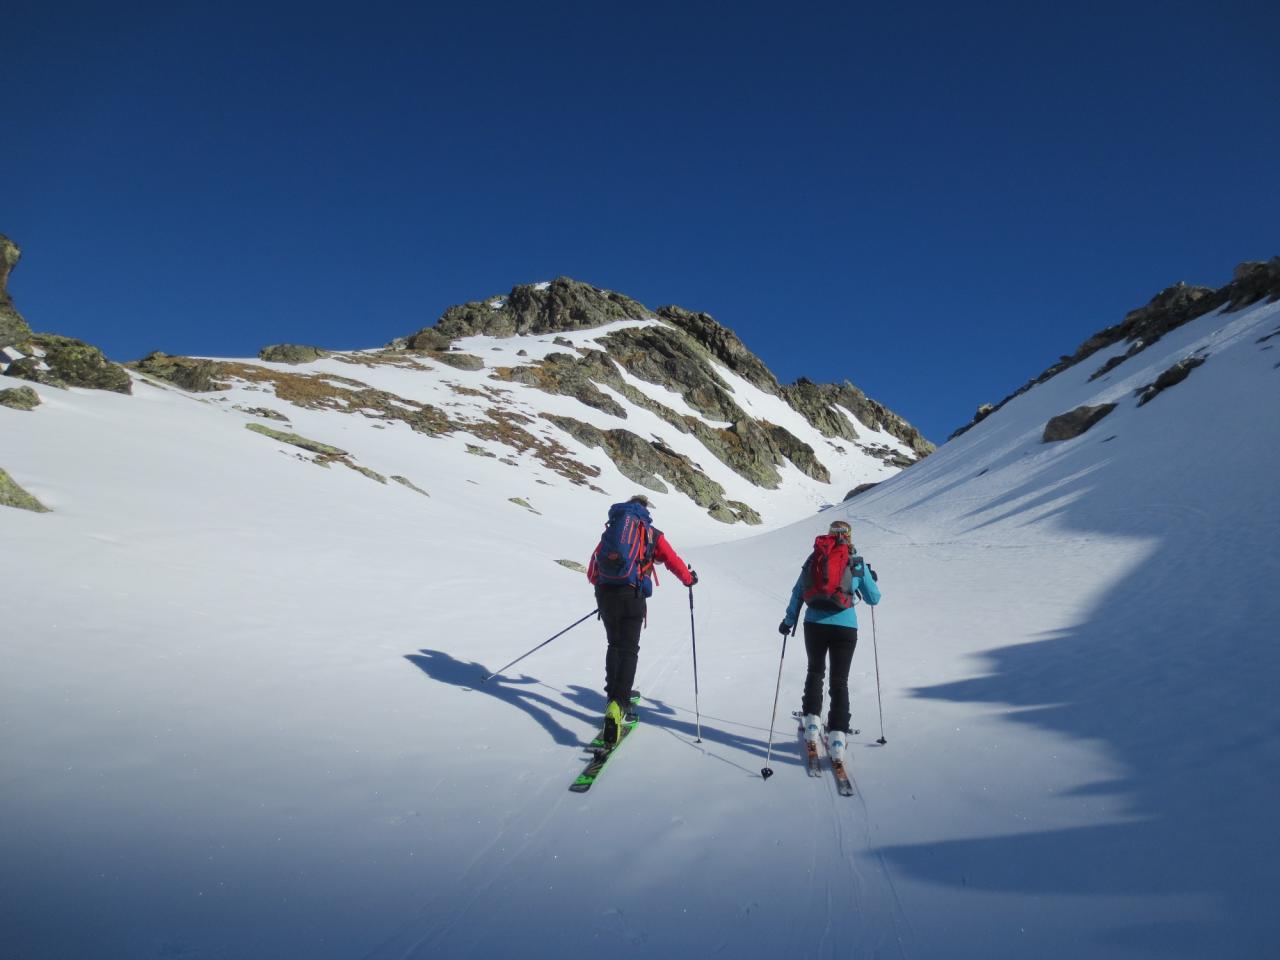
241	712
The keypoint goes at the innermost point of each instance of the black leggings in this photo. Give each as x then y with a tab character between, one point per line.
821	640
622	612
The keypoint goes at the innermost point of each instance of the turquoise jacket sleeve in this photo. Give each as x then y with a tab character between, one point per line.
797	597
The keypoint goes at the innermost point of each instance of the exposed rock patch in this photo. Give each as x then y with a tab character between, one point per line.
1174	375
291	353
406	482
860	488
293	439
722	344
19	398
12	495
1065	426
457	360
572	565
65	361
188	373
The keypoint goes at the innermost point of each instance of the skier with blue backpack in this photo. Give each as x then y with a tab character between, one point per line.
622	569
831	581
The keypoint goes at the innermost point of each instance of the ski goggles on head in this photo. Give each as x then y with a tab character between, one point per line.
840	529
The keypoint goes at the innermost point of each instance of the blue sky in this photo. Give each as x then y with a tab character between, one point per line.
931	200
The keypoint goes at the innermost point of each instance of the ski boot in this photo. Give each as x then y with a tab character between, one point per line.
811	727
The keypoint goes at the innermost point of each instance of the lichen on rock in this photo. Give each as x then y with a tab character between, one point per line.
19	398
293	439
291	353
12	495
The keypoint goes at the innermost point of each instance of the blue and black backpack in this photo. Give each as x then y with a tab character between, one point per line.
625	553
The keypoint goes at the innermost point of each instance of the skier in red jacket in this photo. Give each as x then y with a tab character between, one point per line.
622	571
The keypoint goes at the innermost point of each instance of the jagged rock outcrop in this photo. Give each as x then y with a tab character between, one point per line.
723	344
1169	309
13	329
1065	426
19	398
291	353
563	304
65	361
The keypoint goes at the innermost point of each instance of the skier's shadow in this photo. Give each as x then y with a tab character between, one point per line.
583	705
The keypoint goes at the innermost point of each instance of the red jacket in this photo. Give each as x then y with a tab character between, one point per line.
663	553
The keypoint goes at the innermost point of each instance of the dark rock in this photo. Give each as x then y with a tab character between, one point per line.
1174	375
13	329
1065	426
862	488
1254	280
820	403
291	353
19	398
562	342
12	495
196	376
78	364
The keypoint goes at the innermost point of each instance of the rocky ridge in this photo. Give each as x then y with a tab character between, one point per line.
672	349
1169	309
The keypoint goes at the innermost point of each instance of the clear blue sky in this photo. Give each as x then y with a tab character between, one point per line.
933	200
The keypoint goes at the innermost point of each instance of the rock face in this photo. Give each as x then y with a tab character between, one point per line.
1065	426
13	329
1168	310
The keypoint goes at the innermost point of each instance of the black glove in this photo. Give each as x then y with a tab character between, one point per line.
874	576
784	628
693	577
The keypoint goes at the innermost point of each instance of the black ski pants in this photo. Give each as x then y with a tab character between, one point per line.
823	640
622	610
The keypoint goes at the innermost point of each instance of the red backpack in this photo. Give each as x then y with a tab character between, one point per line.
828	577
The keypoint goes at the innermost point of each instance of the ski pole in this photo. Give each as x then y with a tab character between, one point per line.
766	773
539	646
876	650
693	633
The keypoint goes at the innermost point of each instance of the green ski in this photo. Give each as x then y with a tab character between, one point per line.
601	754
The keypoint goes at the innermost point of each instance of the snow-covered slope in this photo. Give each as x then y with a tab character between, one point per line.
241	712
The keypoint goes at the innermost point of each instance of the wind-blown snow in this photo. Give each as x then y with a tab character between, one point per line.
241	712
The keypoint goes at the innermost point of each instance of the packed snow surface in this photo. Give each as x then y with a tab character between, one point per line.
241	711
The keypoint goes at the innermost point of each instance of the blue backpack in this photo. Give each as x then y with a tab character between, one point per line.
625	553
